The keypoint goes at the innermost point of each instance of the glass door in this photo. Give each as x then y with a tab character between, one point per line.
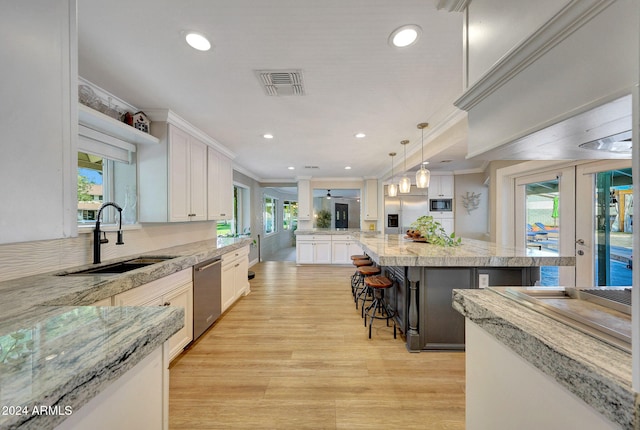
545	213
605	231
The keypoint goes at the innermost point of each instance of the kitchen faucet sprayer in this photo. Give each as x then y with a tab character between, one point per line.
96	232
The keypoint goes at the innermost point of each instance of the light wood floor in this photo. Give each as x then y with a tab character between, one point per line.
294	354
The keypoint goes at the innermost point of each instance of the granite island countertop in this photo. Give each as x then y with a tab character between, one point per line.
57	350
395	250
595	371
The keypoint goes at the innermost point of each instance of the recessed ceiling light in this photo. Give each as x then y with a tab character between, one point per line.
347	168
268	136
360	135
405	36
291	168
425	162
198	41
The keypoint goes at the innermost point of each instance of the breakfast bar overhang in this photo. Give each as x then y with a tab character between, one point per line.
426	275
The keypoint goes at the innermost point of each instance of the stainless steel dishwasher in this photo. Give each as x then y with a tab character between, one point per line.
207	295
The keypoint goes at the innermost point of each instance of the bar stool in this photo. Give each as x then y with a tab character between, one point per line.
379	308
360	289
359	262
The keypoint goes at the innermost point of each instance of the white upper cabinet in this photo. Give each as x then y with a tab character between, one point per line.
441	187
220	186
173	177
371	200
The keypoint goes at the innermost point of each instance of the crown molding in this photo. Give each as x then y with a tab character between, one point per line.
170	117
569	19
245	172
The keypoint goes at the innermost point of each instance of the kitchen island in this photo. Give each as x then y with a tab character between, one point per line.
59	353
426	275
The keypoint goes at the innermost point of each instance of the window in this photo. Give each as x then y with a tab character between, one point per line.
290	215
241	222
270	219
104	180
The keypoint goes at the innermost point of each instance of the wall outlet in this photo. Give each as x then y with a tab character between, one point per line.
483	280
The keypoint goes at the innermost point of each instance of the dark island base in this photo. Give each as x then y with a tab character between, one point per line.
423	300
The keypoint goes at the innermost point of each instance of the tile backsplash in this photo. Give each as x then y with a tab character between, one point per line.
30	258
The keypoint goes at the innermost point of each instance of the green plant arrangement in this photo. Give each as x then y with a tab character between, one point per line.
324	219
426	229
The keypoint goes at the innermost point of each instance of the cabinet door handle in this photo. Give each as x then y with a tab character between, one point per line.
237	265
223	214
167	304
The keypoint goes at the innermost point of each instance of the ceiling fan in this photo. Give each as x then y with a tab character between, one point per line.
329	196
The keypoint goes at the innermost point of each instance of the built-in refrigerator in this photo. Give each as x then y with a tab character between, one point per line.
401	211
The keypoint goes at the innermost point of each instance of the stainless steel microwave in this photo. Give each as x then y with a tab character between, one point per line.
440	205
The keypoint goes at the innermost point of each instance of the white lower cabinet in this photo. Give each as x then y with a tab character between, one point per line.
139	399
235	276
342	248
313	249
173	290
326	249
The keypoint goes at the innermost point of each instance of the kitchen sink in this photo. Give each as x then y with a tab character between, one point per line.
120	267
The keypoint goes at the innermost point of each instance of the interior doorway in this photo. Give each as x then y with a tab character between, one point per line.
342	215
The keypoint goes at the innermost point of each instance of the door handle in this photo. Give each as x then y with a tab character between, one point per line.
580	242
200	269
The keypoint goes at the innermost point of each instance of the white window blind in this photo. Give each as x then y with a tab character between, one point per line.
99	143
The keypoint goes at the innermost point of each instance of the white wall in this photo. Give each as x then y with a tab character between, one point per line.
586	57
492	33
473	224
505	392
281	238
38	125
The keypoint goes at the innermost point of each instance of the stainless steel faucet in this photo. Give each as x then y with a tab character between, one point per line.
96	232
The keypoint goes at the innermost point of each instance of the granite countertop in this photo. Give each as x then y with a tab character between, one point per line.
595	371
395	250
20	296
331	231
56	350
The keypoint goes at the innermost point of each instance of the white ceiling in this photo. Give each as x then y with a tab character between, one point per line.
354	81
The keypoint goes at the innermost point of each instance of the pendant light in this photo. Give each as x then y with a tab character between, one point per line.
392	188
423	176
405	182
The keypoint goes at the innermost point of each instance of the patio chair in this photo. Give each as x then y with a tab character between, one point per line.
533	234
543	227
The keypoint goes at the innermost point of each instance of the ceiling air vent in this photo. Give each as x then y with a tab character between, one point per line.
281	82
311	167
